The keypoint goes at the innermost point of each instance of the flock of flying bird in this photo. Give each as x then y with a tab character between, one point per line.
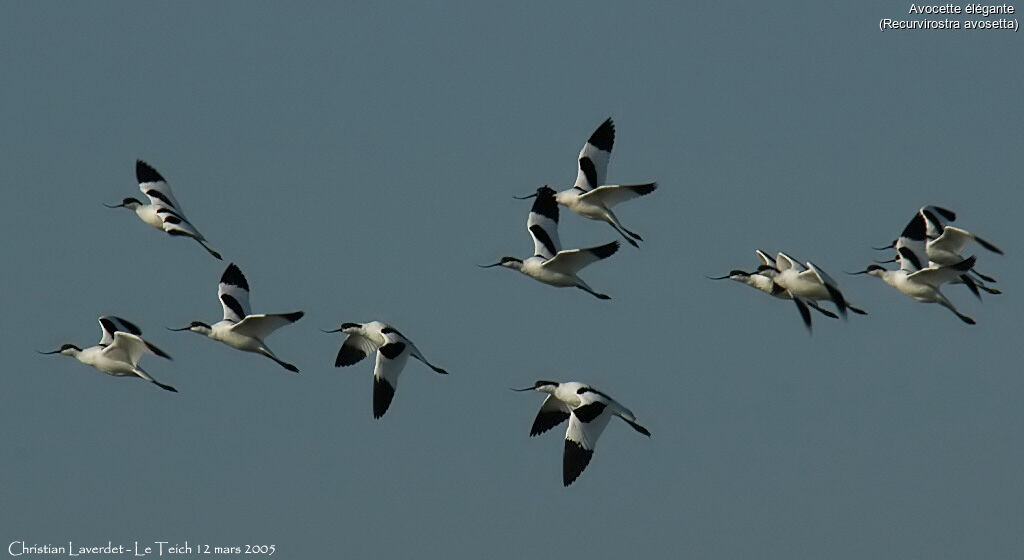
928	252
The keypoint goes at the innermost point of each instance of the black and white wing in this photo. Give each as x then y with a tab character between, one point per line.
260	326
355	348
552	413
785	262
111	324
593	159
233	293
911	244
830	285
936	219
155	187
391	358
129	348
573	260
542	223
586	423
610	195
937	276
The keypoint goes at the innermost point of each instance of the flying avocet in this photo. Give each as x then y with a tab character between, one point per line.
393	350
239	328
763	279
914	249
811	283
119	351
549	264
163	212
944	244
588	411
590	197
923	285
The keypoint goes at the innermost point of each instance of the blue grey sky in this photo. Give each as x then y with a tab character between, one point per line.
357	161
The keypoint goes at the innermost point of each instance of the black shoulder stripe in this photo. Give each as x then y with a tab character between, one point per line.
233	305
604	137
392	350
145	173
159	196
589	171
574	460
542	235
383	393
906	253
169	219
392	330
588	412
232	275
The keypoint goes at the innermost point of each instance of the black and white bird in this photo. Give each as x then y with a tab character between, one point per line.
913	251
240	328
942	244
163	212
923	285
588	412
810	282
549	263
590	197
917	277
393	350
763	279
119	351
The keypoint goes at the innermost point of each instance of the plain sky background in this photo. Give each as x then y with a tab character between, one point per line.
357	161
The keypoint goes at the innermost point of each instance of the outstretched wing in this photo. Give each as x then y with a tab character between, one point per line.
260	326
593	159
355	348
938	276
552	413
542	224
129	348
911	244
571	261
111	324
155	187
391	358
610	195
233	293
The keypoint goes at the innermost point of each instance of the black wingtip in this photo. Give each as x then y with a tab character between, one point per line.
294	316
604	137
215	254
574	460
988	245
606	250
233	276
145	173
165	387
